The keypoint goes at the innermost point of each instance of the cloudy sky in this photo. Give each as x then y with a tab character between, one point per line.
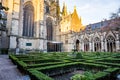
92	11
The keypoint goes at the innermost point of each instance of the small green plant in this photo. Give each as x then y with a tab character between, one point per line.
78	77
79	56
86	76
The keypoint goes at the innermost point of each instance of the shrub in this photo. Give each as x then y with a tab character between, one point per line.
86	76
79	56
78	77
36	75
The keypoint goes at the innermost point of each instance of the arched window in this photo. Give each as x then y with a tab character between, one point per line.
49	29
111	47
47	9
97	44
28	20
86	44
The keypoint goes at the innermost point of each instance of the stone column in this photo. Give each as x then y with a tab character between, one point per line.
90	46
105	44
21	19
37	17
93	47
42	30
102	46
117	45
117	42
15	17
9	16
13	22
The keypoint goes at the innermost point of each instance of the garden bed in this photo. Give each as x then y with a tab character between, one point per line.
59	66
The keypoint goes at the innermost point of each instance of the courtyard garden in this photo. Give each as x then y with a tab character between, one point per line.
69	66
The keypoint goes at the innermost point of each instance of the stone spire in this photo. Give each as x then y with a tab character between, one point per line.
64	10
76	24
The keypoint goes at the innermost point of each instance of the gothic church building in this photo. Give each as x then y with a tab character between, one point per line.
32	24
37	25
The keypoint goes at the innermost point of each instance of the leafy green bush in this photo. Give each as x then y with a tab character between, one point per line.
79	56
78	77
86	76
101	76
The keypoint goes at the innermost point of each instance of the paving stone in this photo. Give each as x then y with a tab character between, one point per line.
9	71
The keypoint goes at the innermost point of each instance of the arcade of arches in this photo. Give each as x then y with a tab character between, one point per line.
109	44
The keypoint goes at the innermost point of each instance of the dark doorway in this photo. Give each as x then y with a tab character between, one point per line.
54	47
77	45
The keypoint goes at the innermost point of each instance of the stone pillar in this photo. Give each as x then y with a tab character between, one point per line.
117	45
83	47
93	46
42	30
90	46
13	42
15	17
102	46
9	15
105	44
117	42
37	17
21	19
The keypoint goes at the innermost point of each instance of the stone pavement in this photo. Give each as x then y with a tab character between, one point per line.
9	71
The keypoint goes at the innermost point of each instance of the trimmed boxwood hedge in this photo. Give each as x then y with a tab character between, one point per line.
107	74
103	66
13	58
37	75
20	64
46	64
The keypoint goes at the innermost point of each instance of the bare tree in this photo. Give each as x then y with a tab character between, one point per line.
116	14
115	19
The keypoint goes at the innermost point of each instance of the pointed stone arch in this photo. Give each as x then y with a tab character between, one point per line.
85	36
47	7
96	35
111	45
97	44
86	44
110	33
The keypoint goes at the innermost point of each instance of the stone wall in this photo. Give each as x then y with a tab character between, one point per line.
15	25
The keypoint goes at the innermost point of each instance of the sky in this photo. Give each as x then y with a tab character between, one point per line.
92	11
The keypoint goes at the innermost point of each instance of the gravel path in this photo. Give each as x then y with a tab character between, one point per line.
9	71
